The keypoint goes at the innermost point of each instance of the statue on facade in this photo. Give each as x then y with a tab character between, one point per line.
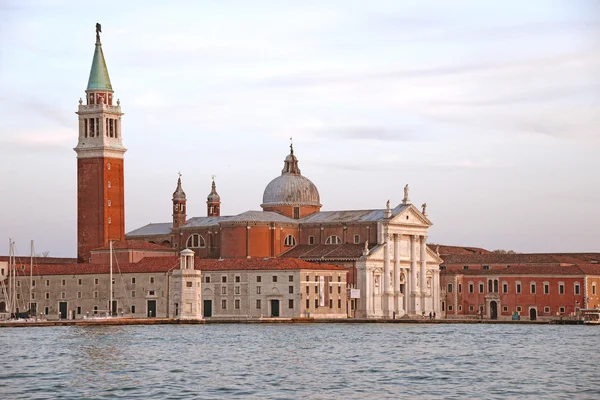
366	249
405	200
424	207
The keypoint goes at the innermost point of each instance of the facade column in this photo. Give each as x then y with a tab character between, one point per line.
398	298
387	297
414	290
423	274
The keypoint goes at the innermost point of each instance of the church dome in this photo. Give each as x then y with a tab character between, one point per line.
179	194
213	196
291	188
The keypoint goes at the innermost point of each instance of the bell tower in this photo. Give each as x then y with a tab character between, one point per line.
213	201
179	205
100	153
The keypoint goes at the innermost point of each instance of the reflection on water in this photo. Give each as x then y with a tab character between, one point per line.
300	361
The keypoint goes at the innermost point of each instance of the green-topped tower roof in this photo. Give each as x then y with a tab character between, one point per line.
99	79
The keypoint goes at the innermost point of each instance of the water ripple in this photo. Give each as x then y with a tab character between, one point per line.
300	361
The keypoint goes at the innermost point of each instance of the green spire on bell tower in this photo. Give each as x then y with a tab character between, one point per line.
99	79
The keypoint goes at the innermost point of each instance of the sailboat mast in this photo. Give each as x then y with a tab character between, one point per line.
31	278
111	281
10	264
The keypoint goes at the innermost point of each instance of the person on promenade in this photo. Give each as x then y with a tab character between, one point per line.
430	316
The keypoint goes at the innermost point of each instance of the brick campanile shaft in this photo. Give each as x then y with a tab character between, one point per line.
100	153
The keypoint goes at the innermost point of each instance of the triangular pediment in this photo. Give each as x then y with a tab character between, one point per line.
410	216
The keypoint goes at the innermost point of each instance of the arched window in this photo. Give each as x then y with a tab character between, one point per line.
289	241
490	288
196	241
356	238
496	286
333	239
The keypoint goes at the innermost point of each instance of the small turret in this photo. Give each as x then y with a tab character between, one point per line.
213	201
179	205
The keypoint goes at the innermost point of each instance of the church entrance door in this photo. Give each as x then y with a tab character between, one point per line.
62	308
493	310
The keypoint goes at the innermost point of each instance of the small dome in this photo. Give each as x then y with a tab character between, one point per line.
291	188
213	196
179	194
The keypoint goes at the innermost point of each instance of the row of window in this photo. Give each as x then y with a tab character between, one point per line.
63	282
518	309
197	241
237	304
339	289
339	303
238	279
237	290
493	287
63	295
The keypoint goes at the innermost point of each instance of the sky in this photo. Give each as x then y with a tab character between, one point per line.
489	111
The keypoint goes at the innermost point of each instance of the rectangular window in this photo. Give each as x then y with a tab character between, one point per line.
223	279
224	304
465	267
79	282
316	303
533	288
339	303
151	279
223	289
237	290
471	288
561	288
33	283
258	290
311	240
236	304
460	288
78	310
339	290
258	303
133	281
505	288
481	287
47	295
78	295
518	287
47	282
562	309
132	293
307	304
546	288
151	293
237	279
316	289
594	289
46	310
291	289
459	308
577	288
95	281
258	279
296	212
95	295
505	309
330	289
189	284
207	279
290	303
449	307
32	295
518	308
133	309
449	288
307	289
356	239
274	278
19	296
486	267
471	307
291	278
547	310
330	303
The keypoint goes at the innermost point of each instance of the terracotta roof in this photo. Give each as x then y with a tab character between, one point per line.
534	269
456	250
42	260
135	245
497	258
327	251
590	269
165	264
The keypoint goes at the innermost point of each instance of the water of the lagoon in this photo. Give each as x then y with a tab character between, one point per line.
316	361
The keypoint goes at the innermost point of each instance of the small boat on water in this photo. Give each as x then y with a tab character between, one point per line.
591	316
